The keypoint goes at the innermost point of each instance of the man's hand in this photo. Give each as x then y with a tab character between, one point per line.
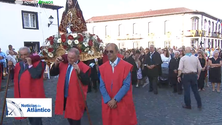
58	60
198	76
1	57
76	67
112	103
152	66
175	71
178	79
29	61
202	69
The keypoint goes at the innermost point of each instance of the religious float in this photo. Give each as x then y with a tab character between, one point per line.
72	33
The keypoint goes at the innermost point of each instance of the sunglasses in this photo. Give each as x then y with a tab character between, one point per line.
109	51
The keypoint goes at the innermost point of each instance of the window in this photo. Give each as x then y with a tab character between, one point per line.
209	27
218	28
150	27
135	29
106	31
212	27
195	23
30	20
205	25
166	27
93	30
120	30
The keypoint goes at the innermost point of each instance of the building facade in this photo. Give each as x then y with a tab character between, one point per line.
162	28
26	25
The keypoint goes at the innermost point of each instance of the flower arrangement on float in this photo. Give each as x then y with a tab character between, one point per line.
87	44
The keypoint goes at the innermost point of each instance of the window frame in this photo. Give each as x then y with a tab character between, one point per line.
37	21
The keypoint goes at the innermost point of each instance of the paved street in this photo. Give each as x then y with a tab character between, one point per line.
162	109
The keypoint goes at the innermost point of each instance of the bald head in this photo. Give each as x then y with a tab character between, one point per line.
74	50
113	45
187	49
111	51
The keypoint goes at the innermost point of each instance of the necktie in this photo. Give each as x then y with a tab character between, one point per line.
67	80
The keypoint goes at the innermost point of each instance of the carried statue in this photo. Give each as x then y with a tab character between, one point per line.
72	34
72	18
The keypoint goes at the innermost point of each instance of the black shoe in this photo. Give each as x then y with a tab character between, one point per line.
150	90
186	107
180	93
174	91
155	93
199	107
89	91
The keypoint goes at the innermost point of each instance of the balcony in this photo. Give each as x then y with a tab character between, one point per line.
130	37
214	35
196	33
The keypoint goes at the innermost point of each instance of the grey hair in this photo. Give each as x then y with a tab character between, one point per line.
215	51
74	50
23	48
176	52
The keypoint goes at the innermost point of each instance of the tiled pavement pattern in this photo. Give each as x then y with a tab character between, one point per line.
162	109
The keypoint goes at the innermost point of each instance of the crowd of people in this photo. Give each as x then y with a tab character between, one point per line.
181	68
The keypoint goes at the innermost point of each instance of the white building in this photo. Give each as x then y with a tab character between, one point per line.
26	25
163	28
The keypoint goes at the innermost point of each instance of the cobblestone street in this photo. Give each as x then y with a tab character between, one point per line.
162	109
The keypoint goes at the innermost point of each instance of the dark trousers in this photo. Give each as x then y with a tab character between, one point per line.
177	87
153	84
71	121
2	69
35	121
201	80
190	81
94	84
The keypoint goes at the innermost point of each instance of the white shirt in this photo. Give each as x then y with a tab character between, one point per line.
113	64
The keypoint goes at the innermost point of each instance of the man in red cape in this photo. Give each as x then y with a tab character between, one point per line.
116	89
69	97
28	79
0	76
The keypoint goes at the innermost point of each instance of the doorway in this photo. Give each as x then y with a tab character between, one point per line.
34	46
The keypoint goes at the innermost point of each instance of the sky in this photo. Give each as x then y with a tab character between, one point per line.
92	8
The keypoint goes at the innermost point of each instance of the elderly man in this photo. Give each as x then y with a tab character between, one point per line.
153	61
190	68
69	97
116	89
2	63
28	79
173	70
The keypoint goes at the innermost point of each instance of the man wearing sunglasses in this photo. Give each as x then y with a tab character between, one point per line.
116	89
105	57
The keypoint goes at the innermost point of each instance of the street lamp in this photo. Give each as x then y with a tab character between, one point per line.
50	20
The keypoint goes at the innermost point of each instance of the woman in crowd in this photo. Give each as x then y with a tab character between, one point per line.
139	71
203	63
215	70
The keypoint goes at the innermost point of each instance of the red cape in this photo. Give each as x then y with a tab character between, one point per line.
75	105
0	76
28	87
125	113
105	57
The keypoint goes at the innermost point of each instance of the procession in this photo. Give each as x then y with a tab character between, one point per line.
92	80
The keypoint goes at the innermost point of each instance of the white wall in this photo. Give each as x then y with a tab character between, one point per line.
12	31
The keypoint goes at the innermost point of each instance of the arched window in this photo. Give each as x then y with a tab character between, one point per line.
195	23
106	30
209	26
135	29
93	30
150	27
120	30
166	26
